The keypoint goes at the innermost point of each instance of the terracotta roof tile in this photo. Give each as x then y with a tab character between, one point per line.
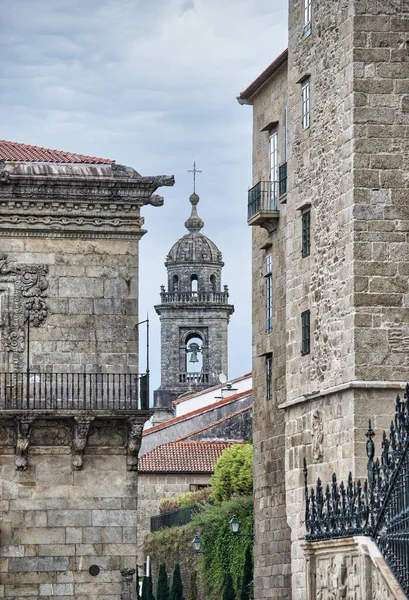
198	411
182	457
14	151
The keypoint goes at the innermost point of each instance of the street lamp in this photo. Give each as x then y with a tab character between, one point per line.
234	525
197	543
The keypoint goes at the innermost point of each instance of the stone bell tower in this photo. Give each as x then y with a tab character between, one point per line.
194	314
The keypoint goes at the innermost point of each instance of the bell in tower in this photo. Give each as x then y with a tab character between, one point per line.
194	313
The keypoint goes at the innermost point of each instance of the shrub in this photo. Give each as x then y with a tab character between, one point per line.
245	593
233	473
176	591
162	590
184	500
228	592
193	586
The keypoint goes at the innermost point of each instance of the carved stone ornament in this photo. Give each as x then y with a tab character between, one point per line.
317	427
22	299
338	578
22	444
81	429
56	435
7	436
134	444
128	591
107	435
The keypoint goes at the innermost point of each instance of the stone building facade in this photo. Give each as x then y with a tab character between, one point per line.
194	315
72	404
329	210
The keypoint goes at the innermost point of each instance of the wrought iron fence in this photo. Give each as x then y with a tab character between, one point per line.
74	391
174	518
262	197
378	507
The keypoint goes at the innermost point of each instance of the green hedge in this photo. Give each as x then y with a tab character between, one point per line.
222	552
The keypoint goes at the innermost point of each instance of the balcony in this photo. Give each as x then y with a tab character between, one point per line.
74	391
262	205
195	297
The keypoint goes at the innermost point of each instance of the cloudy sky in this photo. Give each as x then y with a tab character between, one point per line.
151	84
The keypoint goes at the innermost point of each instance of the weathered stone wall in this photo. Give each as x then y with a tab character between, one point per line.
349	568
381	189
151	489
92	302
58	521
272	559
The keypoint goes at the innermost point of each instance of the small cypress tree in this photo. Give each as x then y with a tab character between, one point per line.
193	586
147	581
176	591
245	593
228	592
162	590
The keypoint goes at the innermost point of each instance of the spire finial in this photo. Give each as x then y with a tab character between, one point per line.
194	171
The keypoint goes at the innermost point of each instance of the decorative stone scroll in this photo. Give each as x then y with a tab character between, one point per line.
134	444
81	430
22	291
22	444
317	436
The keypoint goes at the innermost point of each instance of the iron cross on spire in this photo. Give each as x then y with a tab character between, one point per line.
194	171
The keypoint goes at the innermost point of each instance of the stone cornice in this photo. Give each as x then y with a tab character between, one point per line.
96	201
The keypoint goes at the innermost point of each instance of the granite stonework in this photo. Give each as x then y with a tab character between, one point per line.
194	315
348	169
348	568
69	449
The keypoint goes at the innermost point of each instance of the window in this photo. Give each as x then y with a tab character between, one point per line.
213	283
269	293
269	376
193	285
305	333
305	101
306	233
307	17
194	487
274	169
175	287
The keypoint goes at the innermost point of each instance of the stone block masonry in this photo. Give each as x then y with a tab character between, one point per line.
58	521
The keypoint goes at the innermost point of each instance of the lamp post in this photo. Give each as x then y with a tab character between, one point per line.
197	544
235	527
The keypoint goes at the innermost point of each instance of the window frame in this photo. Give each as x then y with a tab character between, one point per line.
306	233
274	166
306	104
305	332
269	376
268	278
307	18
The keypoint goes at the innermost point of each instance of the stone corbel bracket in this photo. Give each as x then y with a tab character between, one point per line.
79	440
135	428
22	443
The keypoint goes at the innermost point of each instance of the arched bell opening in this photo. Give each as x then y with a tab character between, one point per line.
193	284
194	353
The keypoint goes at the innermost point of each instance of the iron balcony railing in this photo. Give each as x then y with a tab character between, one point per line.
194	378
74	391
174	518
262	197
194	297
282	180
378	507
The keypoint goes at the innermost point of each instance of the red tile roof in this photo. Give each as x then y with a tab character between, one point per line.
263	77
14	151
222	420
182	457
198	411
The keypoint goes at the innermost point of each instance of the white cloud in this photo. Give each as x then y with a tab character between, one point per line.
152	84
